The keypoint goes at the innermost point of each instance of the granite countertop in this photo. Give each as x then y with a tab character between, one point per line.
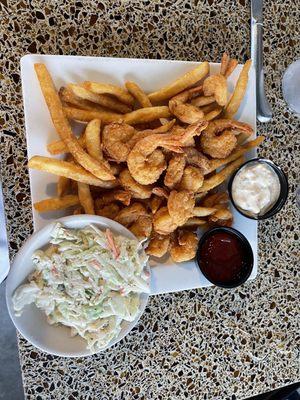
199	344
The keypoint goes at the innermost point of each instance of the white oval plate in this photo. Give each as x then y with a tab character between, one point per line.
32	324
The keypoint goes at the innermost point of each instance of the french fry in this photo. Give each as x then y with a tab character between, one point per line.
203	211
217	163
92	139
203	101
180	84
228	65
138	94
231	67
239	92
59	146
193	222
215	199
224	63
209	107
68	98
57	203
85	198
106	88
146	115
69	170
221	176
87	115
101	99
242	137
63	127
63	185
213	114
166	127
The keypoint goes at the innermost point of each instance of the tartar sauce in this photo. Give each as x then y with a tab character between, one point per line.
256	188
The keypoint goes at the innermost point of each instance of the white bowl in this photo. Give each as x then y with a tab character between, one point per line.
32	324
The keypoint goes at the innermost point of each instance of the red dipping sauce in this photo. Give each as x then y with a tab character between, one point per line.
225	258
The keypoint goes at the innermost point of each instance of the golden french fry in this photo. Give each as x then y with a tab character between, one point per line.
92	139
231	67
63	185
209	107
57	203
242	137
85	198
194	221
69	98
146	115
180	84
69	170
203	211
224	63
217	163
239	92
101	99
106	88
213	114
165	128
59	146
203	101
87	115
97	168
221	176
138	94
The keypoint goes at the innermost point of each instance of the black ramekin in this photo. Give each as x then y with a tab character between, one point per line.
284	189
249	259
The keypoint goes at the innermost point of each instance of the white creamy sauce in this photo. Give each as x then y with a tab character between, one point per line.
256	188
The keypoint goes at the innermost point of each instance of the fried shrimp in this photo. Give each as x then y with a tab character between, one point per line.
137	190
116	140
146	162
109	211
180	206
130	214
187	113
155	203
219	138
142	227
196	158
175	170
192	179
163	223
184	247
158	245
216	85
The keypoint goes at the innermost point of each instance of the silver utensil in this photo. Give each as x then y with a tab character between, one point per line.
4	257
264	112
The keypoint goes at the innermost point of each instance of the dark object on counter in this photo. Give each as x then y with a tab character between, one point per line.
225	257
291	392
284	188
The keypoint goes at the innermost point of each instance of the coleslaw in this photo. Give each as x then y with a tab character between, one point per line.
88	280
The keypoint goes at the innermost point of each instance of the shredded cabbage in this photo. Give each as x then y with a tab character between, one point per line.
88	280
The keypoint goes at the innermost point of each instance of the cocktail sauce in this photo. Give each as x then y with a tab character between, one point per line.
224	257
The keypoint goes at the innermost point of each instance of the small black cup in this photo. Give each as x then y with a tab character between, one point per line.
284	189
248	257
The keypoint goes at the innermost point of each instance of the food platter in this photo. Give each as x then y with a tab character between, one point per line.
167	276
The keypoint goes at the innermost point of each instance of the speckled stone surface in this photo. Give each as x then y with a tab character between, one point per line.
199	344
